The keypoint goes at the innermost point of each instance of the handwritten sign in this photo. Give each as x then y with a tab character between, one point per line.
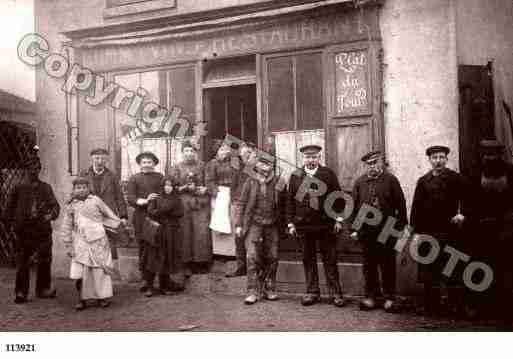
352	83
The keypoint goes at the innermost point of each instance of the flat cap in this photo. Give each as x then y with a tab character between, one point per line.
310	149
437	149
146	154
98	151
266	160
372	156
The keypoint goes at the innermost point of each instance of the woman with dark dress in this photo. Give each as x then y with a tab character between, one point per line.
164	255
190	177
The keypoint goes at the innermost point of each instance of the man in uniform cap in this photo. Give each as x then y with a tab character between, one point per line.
143	187
438	211
256	221
105	184
381	190
308	220
492	231
30	209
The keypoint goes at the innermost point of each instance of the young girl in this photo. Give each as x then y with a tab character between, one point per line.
88	246
163	257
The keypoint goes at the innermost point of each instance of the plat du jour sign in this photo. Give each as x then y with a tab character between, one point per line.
352	83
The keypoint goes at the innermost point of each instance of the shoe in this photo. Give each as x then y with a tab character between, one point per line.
338	301
149	292
310	299
165	291
20	299
47	294
251	299
104	303
239	272
367	304
271	295
81	305
389	306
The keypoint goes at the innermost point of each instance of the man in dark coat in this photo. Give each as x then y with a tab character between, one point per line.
105	184
492	230
256	222
142	188
437	210
308	220
30	209
381	190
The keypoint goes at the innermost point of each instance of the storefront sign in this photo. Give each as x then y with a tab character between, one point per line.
352	83
137	51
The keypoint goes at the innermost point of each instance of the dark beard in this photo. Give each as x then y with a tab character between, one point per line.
494	168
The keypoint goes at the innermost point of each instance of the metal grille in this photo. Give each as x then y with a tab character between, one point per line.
16	145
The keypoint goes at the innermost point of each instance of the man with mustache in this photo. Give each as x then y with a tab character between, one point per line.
381	190
313	224
438	211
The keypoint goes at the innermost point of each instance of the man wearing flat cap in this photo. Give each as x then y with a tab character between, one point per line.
438	210
105	184
31	207
307	220
143	187
492	223
256	217
381	190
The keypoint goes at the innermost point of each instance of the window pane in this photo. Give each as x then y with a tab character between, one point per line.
309	91
281	94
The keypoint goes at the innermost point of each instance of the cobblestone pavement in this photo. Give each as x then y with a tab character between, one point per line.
131	311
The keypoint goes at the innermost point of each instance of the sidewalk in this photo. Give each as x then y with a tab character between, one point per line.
131	311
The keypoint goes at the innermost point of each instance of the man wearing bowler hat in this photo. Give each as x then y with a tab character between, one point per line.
381	190
307	220
438	211
492	234
105	184
142	188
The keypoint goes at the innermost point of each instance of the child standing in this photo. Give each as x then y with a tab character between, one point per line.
163	255
84	234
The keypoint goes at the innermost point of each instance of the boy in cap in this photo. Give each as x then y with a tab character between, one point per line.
30	209
142	188
381	190
437	211
256	221
312	223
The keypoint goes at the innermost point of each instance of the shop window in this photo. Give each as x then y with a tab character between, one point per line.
168	88
295	96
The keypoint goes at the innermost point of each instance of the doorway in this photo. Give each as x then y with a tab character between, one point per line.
476	114
231	110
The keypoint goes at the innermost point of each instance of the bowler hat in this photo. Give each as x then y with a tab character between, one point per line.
146	154
98	151
436	149
491	145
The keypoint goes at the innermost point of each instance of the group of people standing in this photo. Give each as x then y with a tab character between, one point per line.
177	216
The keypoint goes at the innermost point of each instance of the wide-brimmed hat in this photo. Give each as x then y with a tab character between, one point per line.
146	154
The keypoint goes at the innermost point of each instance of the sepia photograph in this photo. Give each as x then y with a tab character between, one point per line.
212	167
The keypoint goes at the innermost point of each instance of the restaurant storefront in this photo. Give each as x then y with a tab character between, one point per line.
280	78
